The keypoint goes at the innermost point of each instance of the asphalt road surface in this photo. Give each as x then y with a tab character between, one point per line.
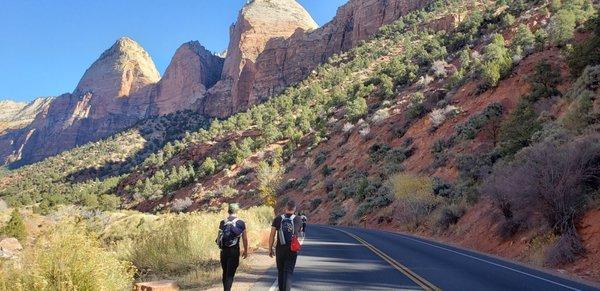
340	258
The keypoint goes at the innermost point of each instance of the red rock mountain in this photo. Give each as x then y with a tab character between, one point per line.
273	44
257	67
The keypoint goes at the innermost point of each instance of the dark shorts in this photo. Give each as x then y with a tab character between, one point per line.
303	227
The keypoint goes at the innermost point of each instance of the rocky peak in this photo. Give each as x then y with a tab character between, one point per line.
257	23
120	71
191	72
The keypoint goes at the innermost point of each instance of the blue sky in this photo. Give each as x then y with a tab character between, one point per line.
46	45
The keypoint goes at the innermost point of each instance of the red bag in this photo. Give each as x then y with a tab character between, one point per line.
295	244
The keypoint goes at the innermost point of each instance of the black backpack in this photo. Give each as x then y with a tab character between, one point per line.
286	229
229	235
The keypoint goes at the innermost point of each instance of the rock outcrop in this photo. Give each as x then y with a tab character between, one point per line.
266	68
191	72
10	248
257	23
119	89
15	115
113	94
8	109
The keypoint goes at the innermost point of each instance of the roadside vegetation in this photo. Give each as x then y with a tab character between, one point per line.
85	250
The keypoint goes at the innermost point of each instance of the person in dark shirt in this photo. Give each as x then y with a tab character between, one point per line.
285	258
230	253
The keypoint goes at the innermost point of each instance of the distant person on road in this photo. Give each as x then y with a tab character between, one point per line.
231	229
304	221
286	226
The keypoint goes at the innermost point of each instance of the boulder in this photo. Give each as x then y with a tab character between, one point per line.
10	247
166	285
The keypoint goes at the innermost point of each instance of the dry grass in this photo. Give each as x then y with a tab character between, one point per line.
103	251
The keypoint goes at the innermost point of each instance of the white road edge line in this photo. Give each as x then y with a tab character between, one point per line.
274	286
486	261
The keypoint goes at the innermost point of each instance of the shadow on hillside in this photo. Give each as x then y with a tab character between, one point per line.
157	131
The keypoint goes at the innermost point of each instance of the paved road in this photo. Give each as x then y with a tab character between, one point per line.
343	258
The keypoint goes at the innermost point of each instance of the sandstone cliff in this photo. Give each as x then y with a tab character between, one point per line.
256	68
112	94
16	115
258	22
191	72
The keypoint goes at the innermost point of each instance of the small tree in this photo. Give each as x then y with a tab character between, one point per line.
562	27
15	226
357	108
525	39
209	166
269	178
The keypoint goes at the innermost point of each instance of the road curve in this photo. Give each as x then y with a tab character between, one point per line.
342	258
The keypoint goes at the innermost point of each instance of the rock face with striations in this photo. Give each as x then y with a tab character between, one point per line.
15	115
258	22
113	94
287	59
191	72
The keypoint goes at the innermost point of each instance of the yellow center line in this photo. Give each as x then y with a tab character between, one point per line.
426	285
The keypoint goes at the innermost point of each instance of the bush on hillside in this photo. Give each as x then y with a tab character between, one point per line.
414	200
67	258
582	113
517	130
15	227
562	27
449	215
496	63
523	40
586	53
337	212
550	182
381	198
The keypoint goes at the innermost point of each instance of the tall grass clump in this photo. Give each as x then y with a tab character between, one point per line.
67	258
179	243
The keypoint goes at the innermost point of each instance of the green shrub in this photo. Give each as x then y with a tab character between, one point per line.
208	166
586	53
416	106
524	39
449	215
382	198
15	227
497	62
581	114
562	27
315	203
378	151
326	170
357	108
337	212
516	132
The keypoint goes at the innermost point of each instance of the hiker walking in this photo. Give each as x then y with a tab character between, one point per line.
231	229
304	221
287	227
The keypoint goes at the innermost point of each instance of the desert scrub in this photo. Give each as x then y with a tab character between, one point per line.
67	258
414	200
179	243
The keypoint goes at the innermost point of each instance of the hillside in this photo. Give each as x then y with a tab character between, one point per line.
474	122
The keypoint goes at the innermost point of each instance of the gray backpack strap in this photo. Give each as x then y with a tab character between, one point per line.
280	231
